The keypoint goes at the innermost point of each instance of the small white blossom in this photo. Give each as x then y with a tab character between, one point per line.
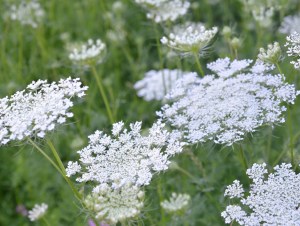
235	190
177	202
156	84
290	24
191	40
272	199
271	55
126	156
90	53
164	10
113	205
27	13
226	106
293	44
37	109
37	212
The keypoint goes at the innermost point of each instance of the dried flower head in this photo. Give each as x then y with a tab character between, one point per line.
125	156
293	44
38	211
27	13
113	205
164	10
271	55
177	203
226	106
290	24
272	199
156	84
89	54
193	40
37	109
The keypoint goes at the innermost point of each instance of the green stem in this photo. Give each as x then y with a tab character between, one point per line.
101	89
45	155
40	41
290	128
20	52
242	157
186	173
63	170
279	69
269	144
162	212
160	55
197	162
198	64
45	221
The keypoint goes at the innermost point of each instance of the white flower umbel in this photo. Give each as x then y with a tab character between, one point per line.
38	211
234	190
36	110
156	84
293	44
290	24
180	28
27	13
90	53
164	10
114	205
126	156
271	55
177	203
272	199
193	40
224	107
262	10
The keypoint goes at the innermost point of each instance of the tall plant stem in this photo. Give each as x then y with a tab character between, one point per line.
45	155
290	128
161	198
197	162
278	68
63	170
242	158
60	169
198	64
160	55
102	92
45	221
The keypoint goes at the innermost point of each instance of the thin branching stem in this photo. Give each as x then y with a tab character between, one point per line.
102	92
196	56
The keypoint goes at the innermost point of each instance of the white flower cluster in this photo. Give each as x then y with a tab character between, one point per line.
290	24
27	13
262	10
271	55
37	212
177	203
293	44
90	53
37	109
113	205
126	156
156	84
194	39
272	200
164	10
180	28
226	106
